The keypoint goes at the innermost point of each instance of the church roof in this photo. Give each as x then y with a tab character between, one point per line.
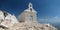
30	11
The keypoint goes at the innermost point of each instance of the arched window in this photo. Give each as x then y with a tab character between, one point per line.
30	9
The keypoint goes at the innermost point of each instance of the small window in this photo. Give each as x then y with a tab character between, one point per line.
31	18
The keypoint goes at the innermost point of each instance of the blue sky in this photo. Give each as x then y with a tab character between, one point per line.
48	10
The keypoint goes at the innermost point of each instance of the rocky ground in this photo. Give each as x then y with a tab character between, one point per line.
25	26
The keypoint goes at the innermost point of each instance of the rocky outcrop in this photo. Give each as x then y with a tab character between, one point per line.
23	26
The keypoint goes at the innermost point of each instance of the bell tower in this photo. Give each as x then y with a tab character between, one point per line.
30	6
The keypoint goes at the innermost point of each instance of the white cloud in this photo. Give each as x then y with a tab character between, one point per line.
43	19
55	19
